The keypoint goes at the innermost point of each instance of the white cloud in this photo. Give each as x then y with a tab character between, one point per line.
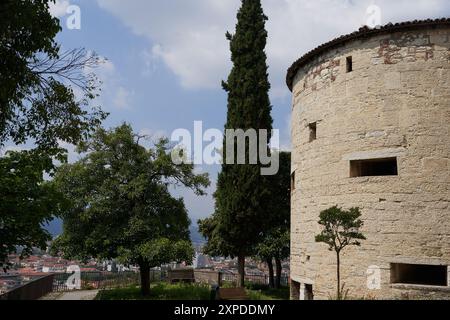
72	154
106	68
188	36
152	136
122	98
150	59
58	8
113	94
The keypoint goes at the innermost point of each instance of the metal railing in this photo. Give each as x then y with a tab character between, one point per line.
100	280
108	280
257	279
96	280
104	280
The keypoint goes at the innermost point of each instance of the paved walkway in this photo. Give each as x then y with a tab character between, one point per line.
73	295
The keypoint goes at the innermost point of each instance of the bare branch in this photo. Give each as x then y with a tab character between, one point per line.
74	67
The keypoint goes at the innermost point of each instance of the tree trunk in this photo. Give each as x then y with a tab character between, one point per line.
241	270
279	269
145	278
338	269
271	276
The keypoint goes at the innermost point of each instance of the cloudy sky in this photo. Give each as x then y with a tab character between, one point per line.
166	58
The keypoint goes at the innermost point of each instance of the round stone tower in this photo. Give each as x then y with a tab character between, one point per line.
371	129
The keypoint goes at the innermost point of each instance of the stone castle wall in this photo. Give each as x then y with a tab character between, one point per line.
395	103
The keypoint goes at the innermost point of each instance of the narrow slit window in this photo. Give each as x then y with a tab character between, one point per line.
373	167
312	131
293	181
419	274
349	64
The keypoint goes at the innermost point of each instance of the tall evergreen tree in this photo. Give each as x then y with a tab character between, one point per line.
238	222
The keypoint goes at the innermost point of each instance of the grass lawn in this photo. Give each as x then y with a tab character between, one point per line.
269	294
259	292
159	291
165	291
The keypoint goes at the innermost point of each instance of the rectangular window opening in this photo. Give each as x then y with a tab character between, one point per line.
374	167
312	131
309	292
293	181
295	290
419	274
349	64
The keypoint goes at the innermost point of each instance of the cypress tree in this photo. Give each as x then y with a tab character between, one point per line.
242	191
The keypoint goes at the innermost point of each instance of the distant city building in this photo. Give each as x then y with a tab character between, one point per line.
202	261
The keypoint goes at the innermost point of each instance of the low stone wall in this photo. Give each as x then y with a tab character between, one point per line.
417	292
32	290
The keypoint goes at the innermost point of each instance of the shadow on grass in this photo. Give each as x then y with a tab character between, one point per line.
261	292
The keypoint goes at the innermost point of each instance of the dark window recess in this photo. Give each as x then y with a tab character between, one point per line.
312	131
293	181
349	64
295	290
373	167
309	292
419	274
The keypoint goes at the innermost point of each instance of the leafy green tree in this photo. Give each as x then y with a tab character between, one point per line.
276	243
120	205
38	105
28	202
341	228
215	245
275	246
280	204
37	81
264	252
241	189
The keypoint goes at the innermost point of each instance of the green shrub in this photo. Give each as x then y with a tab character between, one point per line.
159	291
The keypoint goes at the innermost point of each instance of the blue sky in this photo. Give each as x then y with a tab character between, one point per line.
166	58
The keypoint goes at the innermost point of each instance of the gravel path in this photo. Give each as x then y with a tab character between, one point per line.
73	296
